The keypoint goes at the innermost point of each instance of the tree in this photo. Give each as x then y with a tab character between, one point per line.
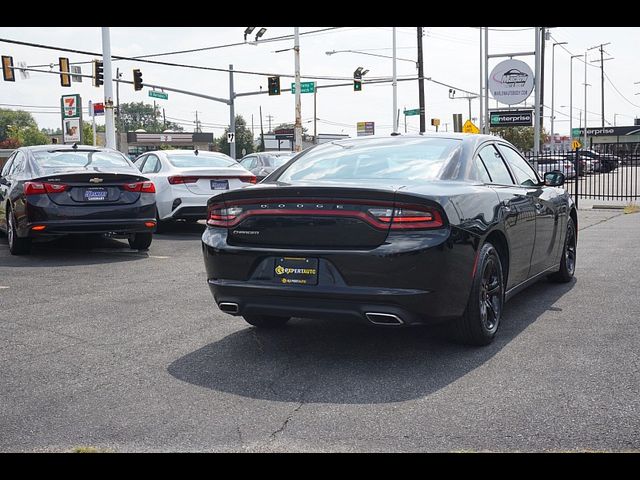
521	137
290	126
18	118
134	116
25	136
87	133
244	139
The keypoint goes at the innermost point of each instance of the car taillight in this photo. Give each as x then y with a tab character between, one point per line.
143	187
220	216
177	180
38	188
402	218
248	179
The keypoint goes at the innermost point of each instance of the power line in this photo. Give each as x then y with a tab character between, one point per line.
214	47
171	64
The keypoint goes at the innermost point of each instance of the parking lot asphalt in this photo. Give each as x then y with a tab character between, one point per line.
125	351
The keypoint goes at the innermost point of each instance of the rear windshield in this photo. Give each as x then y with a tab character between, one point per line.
375	159
72	158
186	160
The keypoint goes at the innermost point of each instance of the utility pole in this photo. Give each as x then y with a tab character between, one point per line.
420	86
232	114
110	132
261	132
197	123
164	120
297	132
553	112
536	126
584	143
269	117
571	95
602	60
395	85
119	122
315	117
486	80
481	84
544	35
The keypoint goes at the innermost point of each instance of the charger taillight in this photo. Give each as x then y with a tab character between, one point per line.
38	188
142	187
249	179
221	216
413	217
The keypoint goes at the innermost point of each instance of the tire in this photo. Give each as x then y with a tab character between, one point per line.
140	241
17	245
568	261
481	319
266	321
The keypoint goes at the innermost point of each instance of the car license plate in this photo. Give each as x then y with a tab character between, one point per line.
296	271
219	184
95	194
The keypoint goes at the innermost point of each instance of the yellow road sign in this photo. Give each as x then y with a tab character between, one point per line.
469	127
575	144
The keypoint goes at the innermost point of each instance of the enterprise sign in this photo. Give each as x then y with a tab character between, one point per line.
518	118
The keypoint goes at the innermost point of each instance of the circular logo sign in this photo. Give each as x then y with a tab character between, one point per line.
511	82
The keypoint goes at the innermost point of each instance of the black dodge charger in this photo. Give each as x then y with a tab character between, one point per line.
402	230
54	190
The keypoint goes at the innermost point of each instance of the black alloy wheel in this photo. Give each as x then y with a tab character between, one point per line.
568	260
481	319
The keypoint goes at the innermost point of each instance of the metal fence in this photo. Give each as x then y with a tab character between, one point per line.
610	171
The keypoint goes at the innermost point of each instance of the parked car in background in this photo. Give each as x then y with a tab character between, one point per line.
54	190
185	179
404	230
608	162
556	163
585	163
262	164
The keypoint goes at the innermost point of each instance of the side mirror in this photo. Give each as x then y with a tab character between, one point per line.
554	179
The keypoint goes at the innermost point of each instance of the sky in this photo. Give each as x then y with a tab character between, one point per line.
451	56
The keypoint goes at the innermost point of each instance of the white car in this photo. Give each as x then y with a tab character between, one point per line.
186	179
556	163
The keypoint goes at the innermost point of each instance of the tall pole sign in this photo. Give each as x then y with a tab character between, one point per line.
71	112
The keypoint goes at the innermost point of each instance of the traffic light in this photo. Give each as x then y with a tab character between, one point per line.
274	85
137	79
7	69
357	80
98	73
65	78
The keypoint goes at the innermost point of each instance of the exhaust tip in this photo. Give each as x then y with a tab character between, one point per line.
228	307
383	318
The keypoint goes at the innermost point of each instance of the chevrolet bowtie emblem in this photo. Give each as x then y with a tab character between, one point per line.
95	180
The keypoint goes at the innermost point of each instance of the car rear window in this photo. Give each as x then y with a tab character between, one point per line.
187	160
374	159
79	158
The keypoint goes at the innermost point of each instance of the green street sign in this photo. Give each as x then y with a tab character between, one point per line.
305	87
162	95
415	111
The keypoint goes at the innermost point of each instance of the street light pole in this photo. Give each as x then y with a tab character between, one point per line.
298	126
232	115
110	131
395	85
423	126
584	143
553	113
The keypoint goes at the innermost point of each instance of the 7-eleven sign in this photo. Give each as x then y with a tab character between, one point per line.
70	105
